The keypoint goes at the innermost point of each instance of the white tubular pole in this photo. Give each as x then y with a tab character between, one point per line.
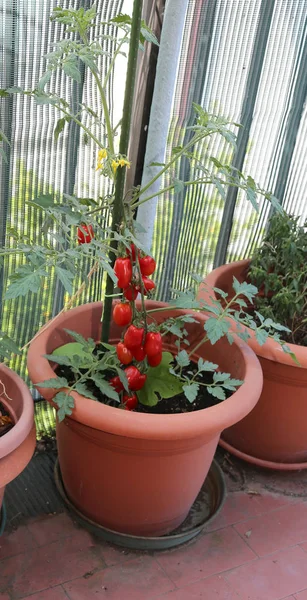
169	54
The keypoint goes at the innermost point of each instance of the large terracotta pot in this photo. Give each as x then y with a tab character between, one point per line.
18	444
140	473
274	434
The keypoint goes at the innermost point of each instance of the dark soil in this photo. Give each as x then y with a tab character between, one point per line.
6	422
177	404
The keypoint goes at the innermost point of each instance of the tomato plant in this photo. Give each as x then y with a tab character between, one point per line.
131	293
148	284
139	353
117	384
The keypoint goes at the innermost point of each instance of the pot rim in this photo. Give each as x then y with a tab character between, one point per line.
148	426
14	438
270	350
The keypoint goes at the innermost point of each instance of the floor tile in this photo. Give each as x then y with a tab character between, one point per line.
16	542
53	564
55	593
137	579
273	531
113	555
301	595
8	569
4	596
212	588
241	505
208	555
271	578
52	528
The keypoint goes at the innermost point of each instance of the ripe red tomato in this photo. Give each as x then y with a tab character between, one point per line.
133	337
154	360
136	379
131	293
85	234
130	401
124	354
132	251
153	343
147	265
148	284
122	314
123	271
117	384
139	353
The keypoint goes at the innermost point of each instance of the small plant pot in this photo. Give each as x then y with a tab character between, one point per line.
131	472
17	445
274	433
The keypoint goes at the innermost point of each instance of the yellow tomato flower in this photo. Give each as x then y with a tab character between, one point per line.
123	162
114	165
102	154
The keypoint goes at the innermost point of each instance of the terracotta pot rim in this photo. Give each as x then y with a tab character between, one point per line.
13	438
270	350
261	462
148	426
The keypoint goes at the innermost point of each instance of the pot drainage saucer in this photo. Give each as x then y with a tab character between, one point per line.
205	508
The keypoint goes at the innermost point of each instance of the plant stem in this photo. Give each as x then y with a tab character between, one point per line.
106	112
123	149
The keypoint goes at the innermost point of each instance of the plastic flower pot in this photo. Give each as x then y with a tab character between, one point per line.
132	472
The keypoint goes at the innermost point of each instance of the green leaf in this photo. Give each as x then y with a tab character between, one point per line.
3	154
121	19
44	80
65	403
205	365
60	360
261	336
147	34
44	201
59	128
252	198
244	289
105	387
82	389
219	376
55	382
73	349
29	282
160	383
66	278
8	346
182	358
178	186
71	69
217	392
216	329
191	391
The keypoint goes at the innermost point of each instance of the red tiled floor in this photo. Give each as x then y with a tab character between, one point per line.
51	565
271	578
137	579
240	506
52	558
52	528
273	531
16	542
212	588
208	555
56	593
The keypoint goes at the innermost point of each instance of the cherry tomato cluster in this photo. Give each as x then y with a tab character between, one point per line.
130	282
138	344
